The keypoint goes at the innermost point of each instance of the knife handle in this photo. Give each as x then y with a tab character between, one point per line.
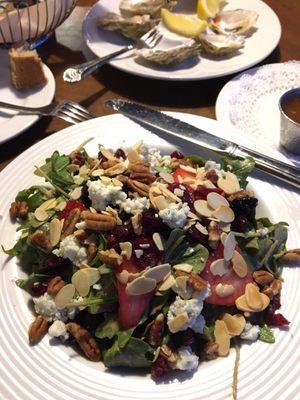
276	168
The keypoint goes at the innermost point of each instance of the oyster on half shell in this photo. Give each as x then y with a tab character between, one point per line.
171	56
238	22
140	7
131	27
220	44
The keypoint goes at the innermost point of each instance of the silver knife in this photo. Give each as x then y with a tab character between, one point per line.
175	127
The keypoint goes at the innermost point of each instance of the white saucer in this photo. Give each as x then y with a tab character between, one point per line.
11	123
249	103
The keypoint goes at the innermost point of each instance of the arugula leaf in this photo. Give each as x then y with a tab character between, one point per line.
195	256
24	283
164	169
266	335
33	197
208	332
196	159
136	354
108	329
241	168
176	245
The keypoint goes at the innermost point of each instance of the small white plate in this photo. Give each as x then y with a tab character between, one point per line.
249	103
257	47
12	123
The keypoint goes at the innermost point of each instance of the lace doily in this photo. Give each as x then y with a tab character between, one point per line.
254	99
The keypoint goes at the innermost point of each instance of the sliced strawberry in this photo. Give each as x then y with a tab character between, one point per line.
71	204
182	173
229	278
131	308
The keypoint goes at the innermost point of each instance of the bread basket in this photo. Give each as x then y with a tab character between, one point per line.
31	19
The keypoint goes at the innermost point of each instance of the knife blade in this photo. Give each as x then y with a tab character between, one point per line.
174	127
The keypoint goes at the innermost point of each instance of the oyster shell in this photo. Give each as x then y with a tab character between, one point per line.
220	44
236	22
172	56
129	8
132	27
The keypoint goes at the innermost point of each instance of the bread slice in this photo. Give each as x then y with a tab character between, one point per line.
26	69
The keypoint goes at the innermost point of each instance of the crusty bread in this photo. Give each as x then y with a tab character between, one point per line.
26	69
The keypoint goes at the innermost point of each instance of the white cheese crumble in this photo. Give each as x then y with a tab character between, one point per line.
97	286
132	206
58	329
157	160
70	248
250	332
212	165
102	195
44	305
175	215
187	360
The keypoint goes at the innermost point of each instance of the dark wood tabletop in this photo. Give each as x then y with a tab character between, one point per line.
67	47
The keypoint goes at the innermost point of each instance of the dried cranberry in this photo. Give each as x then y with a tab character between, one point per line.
71	204
244	206
188	197
37	288
276	320
183	338
240	224
112	241
85	196
120	154
152	223
201	192
196	236
177	154
160	367
53	263
151	255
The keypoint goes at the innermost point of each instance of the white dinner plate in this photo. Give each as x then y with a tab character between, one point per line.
249	103
12	123
257	47
46	372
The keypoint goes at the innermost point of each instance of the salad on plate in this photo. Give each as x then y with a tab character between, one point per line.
149	261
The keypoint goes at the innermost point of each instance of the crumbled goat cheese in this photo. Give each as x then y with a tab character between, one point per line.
97	286
58	329
102	195
193	308
212	165
187	360
132	206
157	160
70	248
175	215
44	305
81	225
185	293
250	332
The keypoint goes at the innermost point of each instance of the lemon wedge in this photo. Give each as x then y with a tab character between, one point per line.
183	25
208	8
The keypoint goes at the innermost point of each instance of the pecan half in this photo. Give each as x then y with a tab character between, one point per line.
194	280
98	222
110	257
156	331
77	158
37	330
214	234
273	289
211	350
291	258
139	187
40	240
70	222
85	340
109	163
263	277
18	209
240	194
141	172
91	250
55	285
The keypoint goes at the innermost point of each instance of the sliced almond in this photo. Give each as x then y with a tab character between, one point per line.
61	206
253	297
107	154
167	283
140	285
241	304
93	275
123	277
265	300
201	207
229	183
133	156
224	214
157	239
183	267
40	214
126	248
188	169
98	172
202	229
48	204
208	184
229	246
116	182
215	200
181	282
166	177
81	282
223	238
76	193
224	290
239	264
235	323
222	338
64	296
169	195
175	324
158	273
218	267
55	231
160	202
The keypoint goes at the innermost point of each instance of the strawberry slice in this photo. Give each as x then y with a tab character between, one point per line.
131	308
229	278
71	204
182	174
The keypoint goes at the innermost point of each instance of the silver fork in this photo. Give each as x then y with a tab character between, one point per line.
66	109
81	71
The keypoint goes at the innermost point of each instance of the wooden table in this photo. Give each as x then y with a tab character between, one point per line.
67	48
